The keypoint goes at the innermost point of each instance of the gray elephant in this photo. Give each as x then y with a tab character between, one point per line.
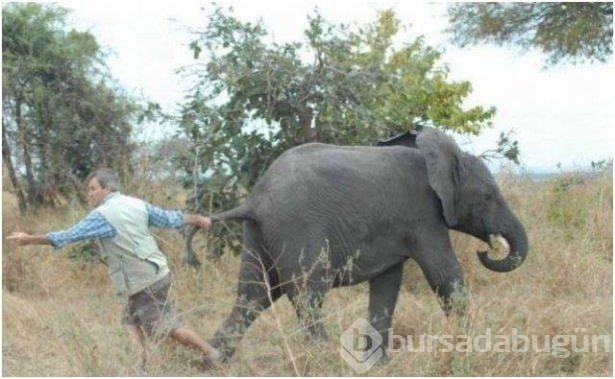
325	216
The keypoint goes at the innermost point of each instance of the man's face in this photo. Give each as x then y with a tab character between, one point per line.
96	193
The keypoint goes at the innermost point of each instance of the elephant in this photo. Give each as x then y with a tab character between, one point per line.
325	216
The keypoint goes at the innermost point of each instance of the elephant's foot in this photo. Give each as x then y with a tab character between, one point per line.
207	363
318	333
385	359
224	348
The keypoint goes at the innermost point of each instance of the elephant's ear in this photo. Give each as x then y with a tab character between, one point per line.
442	157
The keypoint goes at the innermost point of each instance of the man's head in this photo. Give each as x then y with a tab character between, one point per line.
100	183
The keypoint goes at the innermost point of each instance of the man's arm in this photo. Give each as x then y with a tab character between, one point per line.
22	238
175	219
94	225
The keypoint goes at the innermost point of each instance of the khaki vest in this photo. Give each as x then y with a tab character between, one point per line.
133	259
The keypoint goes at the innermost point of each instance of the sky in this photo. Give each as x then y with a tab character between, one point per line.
562	116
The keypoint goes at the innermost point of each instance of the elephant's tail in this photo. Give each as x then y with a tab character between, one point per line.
242	212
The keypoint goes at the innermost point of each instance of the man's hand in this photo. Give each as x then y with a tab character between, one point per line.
22	238
204	222
198	220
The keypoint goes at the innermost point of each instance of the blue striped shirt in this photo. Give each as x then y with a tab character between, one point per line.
94	225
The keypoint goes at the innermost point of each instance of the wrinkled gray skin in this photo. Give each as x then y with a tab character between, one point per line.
325	216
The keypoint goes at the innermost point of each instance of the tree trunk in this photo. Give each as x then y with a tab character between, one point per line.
305	119
31	184
8	161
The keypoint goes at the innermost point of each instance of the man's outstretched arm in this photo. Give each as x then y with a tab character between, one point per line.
22	239
176	219
92	226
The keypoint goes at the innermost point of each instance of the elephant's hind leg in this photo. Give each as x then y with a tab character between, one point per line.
308	300
258	287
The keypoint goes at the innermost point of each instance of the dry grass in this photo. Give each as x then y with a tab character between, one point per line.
60	318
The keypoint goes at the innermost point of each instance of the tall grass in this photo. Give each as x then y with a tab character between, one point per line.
61	319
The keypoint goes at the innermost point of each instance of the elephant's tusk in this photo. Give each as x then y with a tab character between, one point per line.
496	240
499	238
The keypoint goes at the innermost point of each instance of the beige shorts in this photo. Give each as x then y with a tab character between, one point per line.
152	310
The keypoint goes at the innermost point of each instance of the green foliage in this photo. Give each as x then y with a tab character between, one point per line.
565	31
507	148
341	84
62	114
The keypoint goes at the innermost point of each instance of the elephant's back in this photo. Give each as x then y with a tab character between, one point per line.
320	173
361	160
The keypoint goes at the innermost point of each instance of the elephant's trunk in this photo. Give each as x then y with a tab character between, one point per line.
517	242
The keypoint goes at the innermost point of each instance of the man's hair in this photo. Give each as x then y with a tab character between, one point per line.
107	179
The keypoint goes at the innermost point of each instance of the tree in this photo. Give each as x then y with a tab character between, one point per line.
575	32
347	85
62	113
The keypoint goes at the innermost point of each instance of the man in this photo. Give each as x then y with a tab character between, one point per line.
138	269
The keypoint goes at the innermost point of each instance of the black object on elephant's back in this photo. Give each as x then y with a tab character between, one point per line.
407	138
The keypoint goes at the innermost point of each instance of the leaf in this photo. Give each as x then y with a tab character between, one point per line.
196	49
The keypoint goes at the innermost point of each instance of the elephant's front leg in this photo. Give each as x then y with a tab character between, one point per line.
444	274
257	288
383	294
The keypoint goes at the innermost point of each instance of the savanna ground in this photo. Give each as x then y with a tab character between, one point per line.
61	319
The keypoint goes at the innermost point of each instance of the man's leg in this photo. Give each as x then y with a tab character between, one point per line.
192	340
137	337
138	340
157	316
